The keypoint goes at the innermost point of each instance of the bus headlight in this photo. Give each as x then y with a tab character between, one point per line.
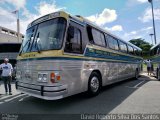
42	77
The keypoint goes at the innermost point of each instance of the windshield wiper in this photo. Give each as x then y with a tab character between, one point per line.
25	46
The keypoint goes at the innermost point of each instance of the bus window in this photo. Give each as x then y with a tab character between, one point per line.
123	46
74	41
112	42
136	52
158	51
155	51
98	38
90	37
130	50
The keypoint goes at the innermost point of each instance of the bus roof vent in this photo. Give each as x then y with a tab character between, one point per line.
78	16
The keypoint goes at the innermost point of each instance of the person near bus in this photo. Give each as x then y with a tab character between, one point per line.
148	62
7	75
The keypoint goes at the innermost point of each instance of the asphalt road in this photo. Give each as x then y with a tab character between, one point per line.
131	96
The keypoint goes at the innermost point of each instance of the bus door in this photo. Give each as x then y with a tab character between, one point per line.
74	47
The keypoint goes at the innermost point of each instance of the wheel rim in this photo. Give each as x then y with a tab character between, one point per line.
136	74
94	84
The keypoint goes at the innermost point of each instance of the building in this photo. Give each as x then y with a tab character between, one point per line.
9	36
9	45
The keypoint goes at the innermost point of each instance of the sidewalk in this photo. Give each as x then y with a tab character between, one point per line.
2	90
145	76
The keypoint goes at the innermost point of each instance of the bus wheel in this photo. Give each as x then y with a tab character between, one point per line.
94	84
136	74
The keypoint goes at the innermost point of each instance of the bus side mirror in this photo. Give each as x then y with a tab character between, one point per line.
39	45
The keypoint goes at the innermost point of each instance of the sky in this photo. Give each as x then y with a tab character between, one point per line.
127	19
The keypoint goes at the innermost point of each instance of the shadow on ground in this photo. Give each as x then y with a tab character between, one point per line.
110	97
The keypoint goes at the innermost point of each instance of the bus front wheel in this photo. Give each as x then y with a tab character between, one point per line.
94	84
136	74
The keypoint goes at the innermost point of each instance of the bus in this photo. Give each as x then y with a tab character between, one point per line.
155	60
63	55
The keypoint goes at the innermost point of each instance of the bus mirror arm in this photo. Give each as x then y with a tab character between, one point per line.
38	45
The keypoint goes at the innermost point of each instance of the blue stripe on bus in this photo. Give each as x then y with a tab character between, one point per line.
94	53
108	55
78	59
156	59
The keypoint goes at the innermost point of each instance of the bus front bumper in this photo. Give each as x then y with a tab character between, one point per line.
43	92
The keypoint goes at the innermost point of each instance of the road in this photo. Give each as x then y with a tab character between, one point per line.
131	96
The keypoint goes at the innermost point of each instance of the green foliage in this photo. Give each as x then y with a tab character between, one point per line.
145	46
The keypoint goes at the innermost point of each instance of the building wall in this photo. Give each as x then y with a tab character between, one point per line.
7	35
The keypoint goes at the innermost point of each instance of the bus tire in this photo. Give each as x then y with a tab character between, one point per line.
136	74
94	84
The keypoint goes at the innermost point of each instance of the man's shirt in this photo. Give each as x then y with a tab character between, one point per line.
6	69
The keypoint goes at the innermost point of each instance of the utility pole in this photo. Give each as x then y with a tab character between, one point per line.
154	30
18	25
151	37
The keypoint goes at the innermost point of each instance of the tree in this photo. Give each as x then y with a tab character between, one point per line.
145	46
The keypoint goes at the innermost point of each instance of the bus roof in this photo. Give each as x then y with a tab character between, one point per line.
78	18
96	26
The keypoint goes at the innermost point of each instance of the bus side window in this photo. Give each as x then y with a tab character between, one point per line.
74	40
98	37
112	42
136	52
89	31
123	46
130	50
158	51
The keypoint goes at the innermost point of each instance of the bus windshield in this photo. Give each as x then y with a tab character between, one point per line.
44	36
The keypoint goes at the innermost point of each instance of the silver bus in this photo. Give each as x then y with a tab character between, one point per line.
63	55
155	60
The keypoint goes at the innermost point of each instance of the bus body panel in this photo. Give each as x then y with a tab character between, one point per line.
155	59
73	68
74	76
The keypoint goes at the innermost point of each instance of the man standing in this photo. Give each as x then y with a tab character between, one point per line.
148	67
7	75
